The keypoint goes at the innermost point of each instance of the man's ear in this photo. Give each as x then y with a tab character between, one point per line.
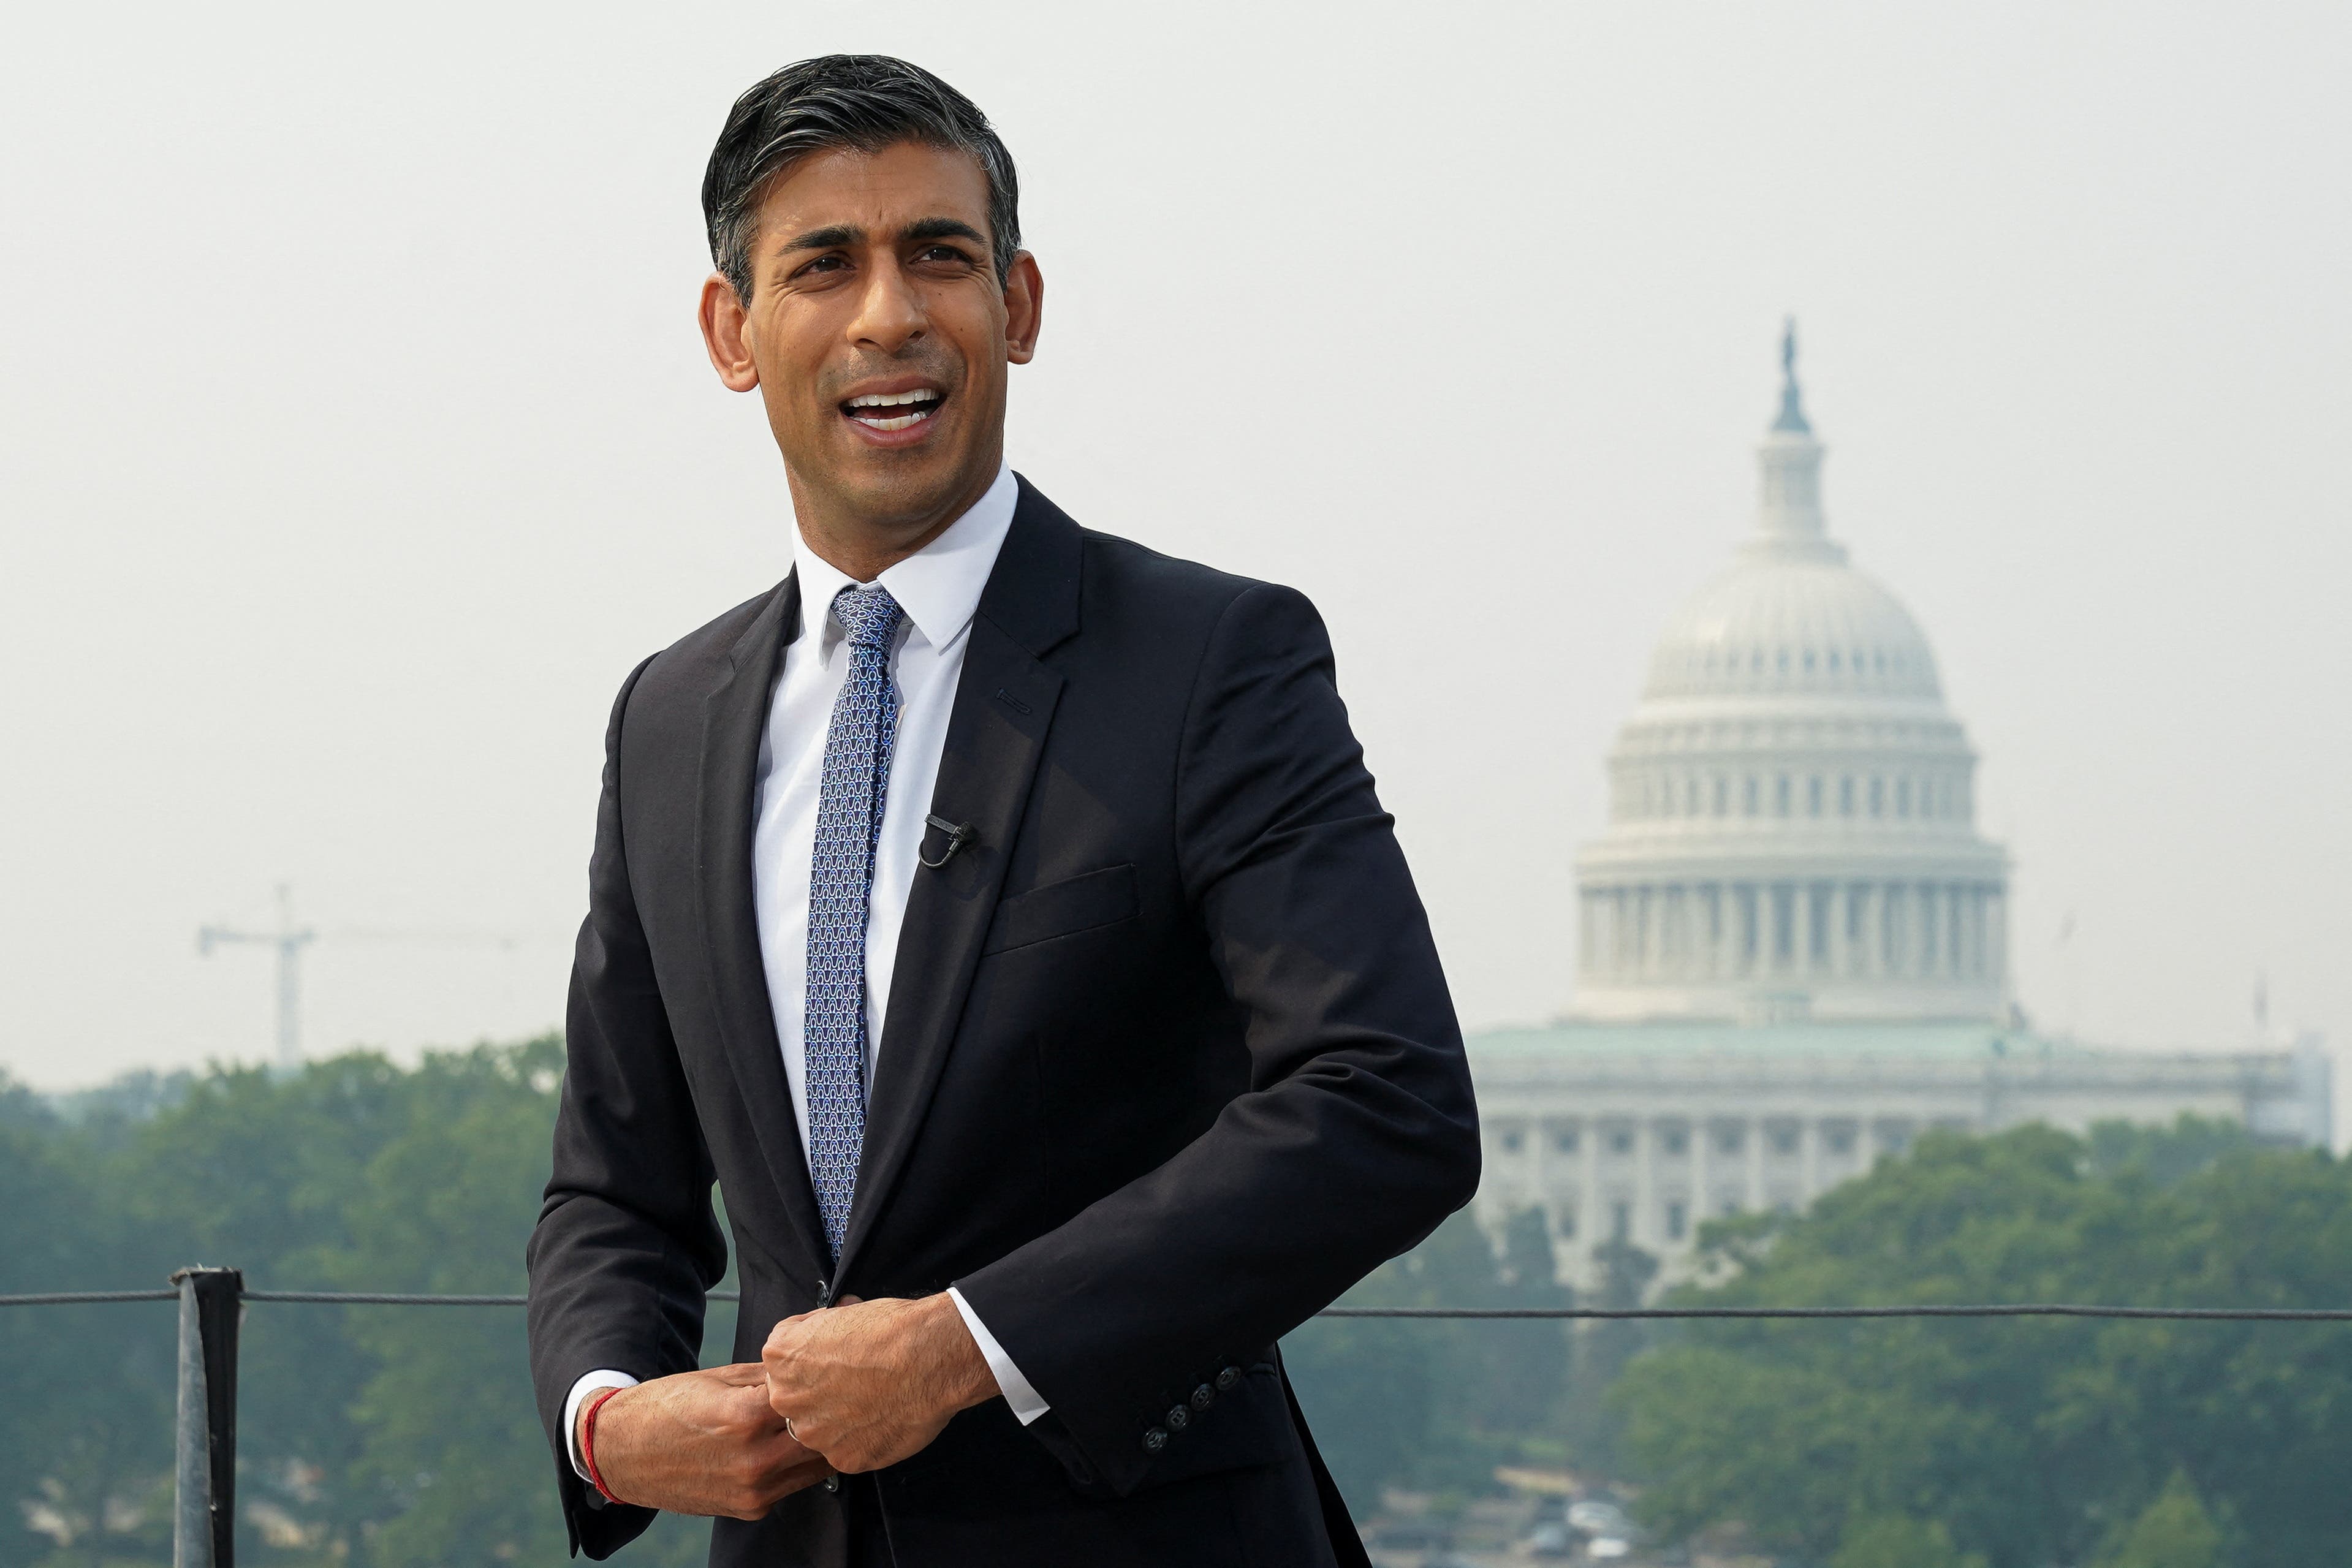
1025	308
725	332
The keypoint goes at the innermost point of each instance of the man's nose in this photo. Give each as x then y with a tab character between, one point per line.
890	313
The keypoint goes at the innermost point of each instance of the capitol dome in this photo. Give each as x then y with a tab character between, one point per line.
1770	625
1791	807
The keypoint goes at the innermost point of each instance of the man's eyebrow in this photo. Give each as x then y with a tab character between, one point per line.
942	228
832	236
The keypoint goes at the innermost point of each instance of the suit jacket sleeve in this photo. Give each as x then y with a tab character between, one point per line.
626	1245
1358	1135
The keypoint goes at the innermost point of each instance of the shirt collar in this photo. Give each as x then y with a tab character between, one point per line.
939	586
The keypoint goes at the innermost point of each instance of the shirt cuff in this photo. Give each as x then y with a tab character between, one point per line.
1015	1388
601	1378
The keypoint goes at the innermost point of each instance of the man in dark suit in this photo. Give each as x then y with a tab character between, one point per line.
1000	914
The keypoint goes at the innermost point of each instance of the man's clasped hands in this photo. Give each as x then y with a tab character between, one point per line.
856	1386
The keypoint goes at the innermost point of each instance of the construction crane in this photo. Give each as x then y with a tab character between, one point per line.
290	939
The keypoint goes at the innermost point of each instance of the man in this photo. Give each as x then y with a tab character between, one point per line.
1002	914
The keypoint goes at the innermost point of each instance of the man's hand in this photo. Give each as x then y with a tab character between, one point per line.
700	1442
867	1384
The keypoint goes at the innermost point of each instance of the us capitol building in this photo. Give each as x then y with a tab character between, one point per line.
1792	952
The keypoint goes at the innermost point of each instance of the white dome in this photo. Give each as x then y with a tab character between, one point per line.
1780	625
1793	824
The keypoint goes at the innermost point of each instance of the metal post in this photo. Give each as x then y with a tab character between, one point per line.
204	1521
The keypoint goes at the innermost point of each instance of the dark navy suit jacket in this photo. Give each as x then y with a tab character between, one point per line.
1167	1064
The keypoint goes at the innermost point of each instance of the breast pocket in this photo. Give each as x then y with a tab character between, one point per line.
1063	908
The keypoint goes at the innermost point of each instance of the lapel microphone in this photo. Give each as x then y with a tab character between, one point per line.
959	834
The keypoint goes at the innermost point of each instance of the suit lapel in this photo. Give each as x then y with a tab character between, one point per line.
1004	704
734	717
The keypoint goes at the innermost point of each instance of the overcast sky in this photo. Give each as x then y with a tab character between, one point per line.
358	441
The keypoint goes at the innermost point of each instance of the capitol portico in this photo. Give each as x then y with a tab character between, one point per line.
1793	947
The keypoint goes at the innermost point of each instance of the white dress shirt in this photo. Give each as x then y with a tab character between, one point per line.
938	589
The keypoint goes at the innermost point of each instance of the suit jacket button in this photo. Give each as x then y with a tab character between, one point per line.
1178	1418
1228	1377
1154	1440
1203	1396
833	1483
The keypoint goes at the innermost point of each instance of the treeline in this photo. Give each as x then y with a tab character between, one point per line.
406	1436
2014	1442
367	1435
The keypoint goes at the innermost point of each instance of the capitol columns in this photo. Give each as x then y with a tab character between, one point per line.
1702	1136
1873	929
1719	915
1961	947
1999	922
1979	914
1754	1148
1645	1181
1588	1194
1840	891
1653	933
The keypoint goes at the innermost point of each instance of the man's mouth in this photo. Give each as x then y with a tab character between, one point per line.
895	411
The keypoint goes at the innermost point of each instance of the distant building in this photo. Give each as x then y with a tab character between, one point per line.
1792	950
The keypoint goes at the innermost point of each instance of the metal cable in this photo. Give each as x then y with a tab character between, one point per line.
398	1299
1987	1310
1999	1309
382	1299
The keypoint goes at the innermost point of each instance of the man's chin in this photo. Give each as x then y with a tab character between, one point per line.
899	489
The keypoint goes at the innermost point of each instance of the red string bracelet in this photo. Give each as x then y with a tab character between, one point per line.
588	1443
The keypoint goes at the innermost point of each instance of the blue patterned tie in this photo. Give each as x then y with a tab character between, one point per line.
841	876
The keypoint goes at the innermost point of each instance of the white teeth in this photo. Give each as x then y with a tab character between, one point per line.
899	423
866	410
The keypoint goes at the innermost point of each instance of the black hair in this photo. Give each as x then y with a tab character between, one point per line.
862	102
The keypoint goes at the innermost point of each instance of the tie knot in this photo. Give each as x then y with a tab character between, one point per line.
868	616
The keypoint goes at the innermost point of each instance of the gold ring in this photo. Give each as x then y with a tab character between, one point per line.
795	1436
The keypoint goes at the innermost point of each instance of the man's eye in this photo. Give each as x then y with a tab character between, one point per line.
823	264
943	253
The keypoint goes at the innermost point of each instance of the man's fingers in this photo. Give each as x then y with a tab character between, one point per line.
802	1473
846	1301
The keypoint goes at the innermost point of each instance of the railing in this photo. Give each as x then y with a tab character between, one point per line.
210	1301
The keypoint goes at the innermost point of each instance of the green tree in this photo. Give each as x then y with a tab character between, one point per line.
2024	1436
262	1171
2166	1155
2174	1532
450	1445
382	1436
1595	1426
450	1434
1893	1541
1437	1404
87	1389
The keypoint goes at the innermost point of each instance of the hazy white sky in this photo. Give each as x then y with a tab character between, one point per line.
358	441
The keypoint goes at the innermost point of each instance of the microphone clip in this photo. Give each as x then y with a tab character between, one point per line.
959	834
